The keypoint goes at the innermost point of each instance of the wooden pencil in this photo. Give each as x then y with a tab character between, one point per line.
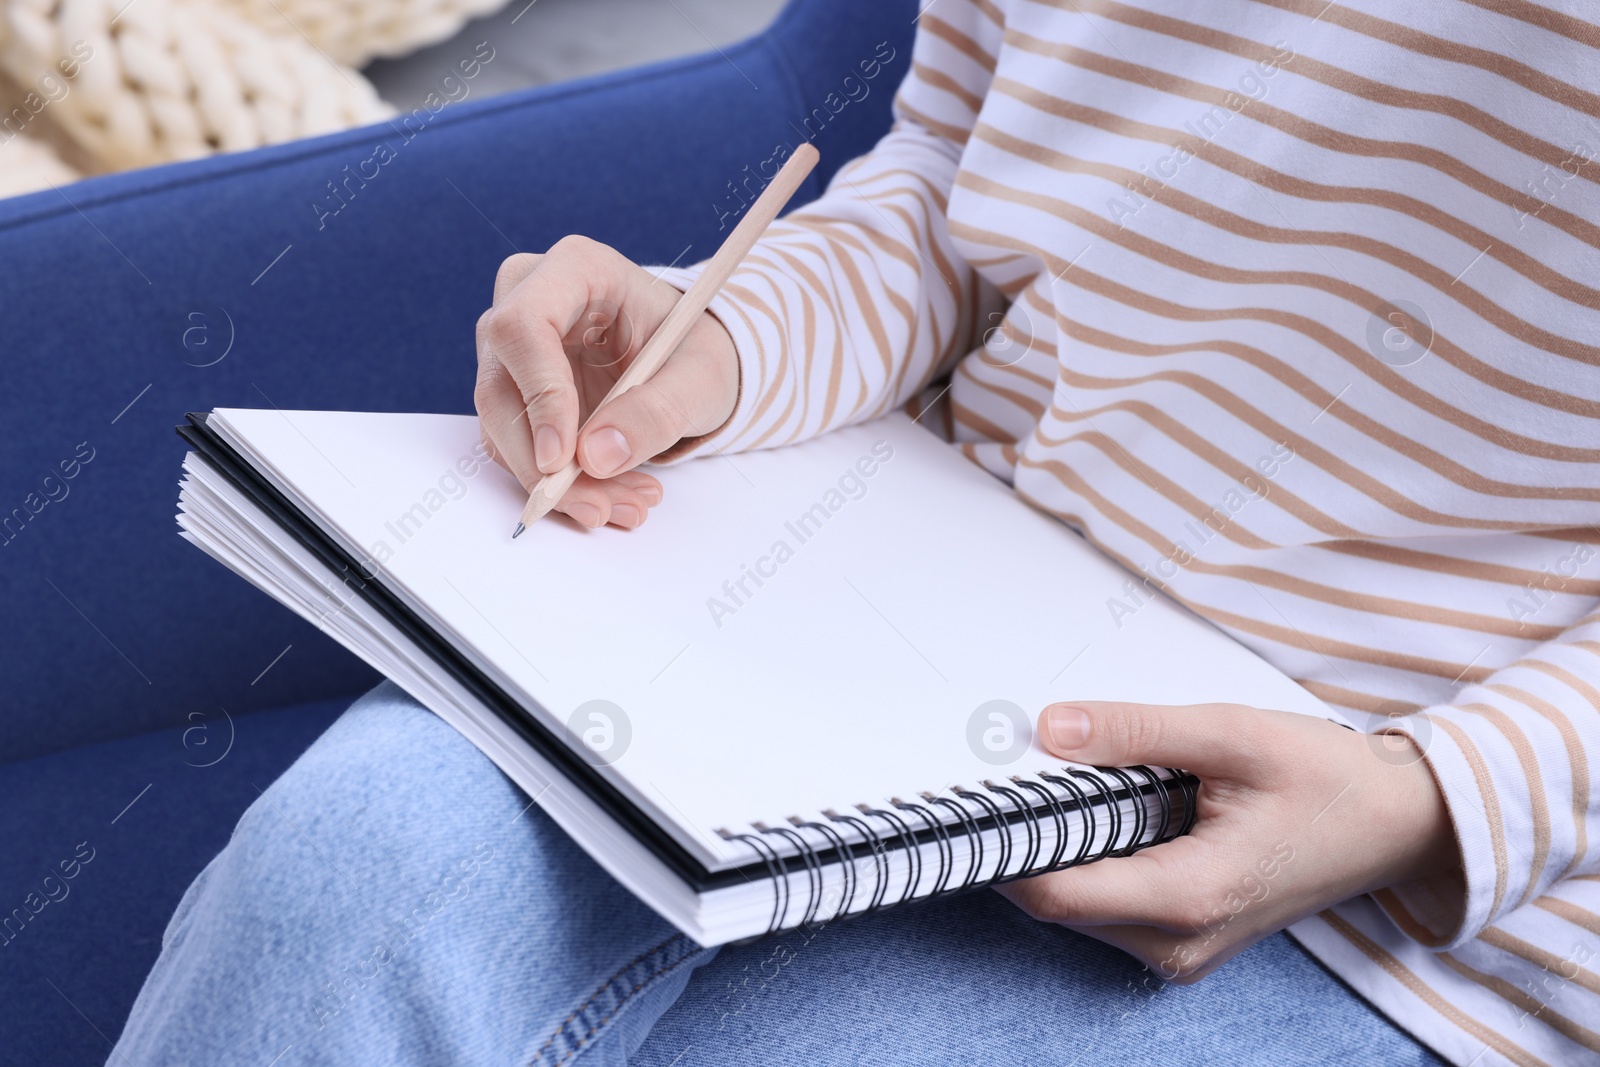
684	314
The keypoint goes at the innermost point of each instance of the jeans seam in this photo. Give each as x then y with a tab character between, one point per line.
611	986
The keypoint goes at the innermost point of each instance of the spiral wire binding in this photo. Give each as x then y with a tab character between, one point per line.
1113	810
1095	808
1057	813
1086	838
852	877
776	869
1191	800
1030	823
808	856
880	857
991	809
947	852
904	832
973	834
1139	819
1161	797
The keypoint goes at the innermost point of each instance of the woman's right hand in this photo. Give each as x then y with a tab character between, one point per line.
563	327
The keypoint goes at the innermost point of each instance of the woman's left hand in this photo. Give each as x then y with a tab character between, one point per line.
1295	813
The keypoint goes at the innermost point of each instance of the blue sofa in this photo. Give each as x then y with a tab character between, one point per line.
148	693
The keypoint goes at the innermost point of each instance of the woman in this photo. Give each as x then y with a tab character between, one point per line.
1282	304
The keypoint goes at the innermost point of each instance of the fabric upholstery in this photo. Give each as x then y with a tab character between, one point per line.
148	812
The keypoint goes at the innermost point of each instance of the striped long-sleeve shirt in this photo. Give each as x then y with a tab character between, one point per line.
1292	306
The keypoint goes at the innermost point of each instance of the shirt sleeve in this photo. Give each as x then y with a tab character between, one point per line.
852	304
1512	754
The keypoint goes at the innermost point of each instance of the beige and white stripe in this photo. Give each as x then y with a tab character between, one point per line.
1293	306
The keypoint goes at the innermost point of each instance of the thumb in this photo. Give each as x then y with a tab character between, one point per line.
1220	739
692	394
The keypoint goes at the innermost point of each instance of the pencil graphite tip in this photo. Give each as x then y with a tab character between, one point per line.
518	531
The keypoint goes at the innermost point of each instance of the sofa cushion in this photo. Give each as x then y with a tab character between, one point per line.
101	842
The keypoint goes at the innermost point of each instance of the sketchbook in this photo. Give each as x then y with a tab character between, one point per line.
805	689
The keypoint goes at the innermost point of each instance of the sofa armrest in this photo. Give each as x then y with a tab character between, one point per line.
342	272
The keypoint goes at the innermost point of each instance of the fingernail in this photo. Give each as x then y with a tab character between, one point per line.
625	515
546	449
586	514
607	450
1068	726
651	494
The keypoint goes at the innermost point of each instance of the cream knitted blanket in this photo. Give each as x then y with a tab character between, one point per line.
92	86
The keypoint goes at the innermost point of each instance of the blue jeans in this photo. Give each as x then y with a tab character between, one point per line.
394	899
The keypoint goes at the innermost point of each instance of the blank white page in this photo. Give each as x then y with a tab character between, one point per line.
787	633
